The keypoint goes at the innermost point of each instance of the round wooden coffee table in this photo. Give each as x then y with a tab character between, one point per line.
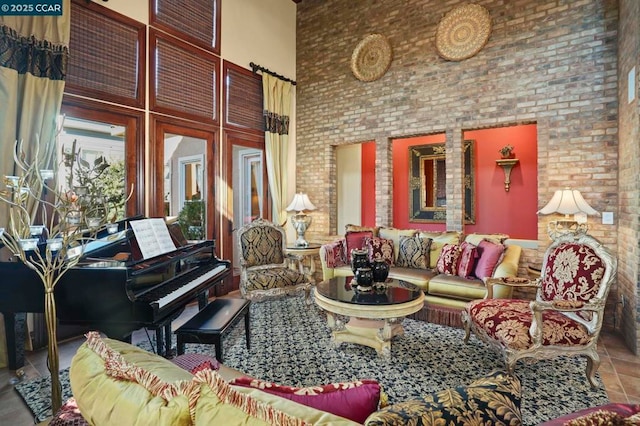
370	318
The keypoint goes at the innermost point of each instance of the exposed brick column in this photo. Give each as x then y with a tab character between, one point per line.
384	182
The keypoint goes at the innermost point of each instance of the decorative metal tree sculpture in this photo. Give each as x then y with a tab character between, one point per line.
67	219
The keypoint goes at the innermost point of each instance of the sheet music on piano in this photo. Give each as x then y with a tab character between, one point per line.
152	236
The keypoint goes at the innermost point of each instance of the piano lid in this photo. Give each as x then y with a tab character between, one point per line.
97	244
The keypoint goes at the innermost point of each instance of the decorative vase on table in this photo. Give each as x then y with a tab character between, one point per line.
359	259
380	270
364	278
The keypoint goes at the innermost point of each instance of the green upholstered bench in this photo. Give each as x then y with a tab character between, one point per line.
209	324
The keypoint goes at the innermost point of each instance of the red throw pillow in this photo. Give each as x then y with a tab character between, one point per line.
355	240
489	255
335	253
380	249
468	257
352	400
449	259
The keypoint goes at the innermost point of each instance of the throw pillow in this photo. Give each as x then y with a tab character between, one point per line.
221	403
380	249
413	252
352	400
117	383
600	417
438	240
627	411
358	228
494	238
355	240
489	255
394	234
494	399
467	263
335	253
196	362
449	259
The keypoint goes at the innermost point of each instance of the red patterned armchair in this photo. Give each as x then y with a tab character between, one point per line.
264	265
565	318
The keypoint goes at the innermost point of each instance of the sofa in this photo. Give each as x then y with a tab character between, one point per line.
450	268
117	383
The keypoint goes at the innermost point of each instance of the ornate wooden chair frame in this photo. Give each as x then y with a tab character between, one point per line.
265	267
574	306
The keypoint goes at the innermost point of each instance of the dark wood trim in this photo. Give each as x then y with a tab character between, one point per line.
215	48
231	138
139	100
154	36
159	125
226	66
133	121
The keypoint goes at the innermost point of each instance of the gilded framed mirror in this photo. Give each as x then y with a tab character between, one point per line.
427	183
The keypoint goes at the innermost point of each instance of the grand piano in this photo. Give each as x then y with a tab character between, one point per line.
114	289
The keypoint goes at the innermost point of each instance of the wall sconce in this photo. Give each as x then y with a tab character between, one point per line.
507	165
566	202
301	221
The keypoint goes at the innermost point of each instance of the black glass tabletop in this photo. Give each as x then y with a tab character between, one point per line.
389	293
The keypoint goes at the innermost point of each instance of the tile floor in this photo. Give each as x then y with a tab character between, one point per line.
620	372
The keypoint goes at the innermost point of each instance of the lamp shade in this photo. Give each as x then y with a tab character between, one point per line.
300	202
567	201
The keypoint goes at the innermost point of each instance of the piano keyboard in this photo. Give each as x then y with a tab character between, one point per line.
167	299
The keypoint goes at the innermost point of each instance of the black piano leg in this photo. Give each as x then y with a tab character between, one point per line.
203	299
167	340
159	341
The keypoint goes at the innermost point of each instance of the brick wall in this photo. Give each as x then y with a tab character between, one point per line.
629	172
549	62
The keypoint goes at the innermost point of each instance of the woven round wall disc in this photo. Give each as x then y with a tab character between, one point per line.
371	58
463	32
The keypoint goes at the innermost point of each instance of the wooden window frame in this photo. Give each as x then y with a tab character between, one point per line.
226	67
156	22
134	141
139	100
154	36
160	125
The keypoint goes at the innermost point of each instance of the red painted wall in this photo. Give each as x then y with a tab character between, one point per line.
513	212
368	193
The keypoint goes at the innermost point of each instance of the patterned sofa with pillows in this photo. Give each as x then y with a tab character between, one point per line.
449	268
117	383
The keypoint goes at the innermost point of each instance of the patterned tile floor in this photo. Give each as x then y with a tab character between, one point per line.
620	372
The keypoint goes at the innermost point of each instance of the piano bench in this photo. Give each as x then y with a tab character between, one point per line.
209	325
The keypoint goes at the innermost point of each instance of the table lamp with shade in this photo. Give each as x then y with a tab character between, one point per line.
300	220
568	202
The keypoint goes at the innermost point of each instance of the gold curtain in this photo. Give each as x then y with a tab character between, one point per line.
33	67
277	109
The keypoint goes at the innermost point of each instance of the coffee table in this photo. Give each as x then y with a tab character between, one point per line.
371	318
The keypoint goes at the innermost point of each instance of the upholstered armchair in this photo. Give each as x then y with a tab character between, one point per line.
566	316
264	266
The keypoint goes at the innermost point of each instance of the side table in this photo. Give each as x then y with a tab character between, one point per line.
305	257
